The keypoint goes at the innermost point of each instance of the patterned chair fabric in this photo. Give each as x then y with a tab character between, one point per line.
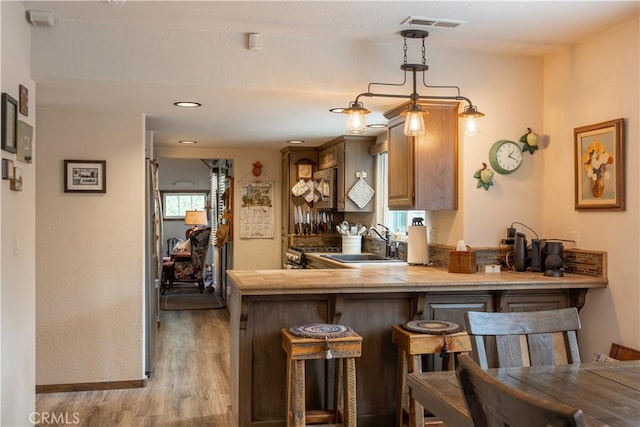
192	270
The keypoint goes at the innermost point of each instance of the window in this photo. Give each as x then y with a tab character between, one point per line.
397	221
175	204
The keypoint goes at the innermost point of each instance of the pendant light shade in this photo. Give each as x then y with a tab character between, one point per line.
471	116
356	122
414	122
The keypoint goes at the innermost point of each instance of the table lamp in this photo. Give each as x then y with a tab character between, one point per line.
195	218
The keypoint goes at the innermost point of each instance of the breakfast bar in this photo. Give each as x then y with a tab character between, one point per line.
368	299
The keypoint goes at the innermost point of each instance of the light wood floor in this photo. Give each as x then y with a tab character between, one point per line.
190	386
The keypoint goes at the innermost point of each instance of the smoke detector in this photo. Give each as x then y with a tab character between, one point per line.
433	22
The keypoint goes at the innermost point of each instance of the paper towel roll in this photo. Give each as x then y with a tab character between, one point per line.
417	249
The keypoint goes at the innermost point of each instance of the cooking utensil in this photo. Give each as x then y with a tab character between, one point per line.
362	230
344	225
339	230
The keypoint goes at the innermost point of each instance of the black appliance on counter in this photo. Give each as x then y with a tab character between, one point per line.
544	256
294	257
537	255
553	259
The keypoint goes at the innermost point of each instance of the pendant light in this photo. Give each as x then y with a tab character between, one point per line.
414	123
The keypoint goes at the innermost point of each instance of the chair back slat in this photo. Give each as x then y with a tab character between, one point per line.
510	351
525	338
494	403
541	349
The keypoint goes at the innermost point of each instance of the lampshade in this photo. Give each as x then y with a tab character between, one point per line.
195	218
356	122
470	116
414	123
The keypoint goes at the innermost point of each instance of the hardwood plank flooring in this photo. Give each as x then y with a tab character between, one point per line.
190	385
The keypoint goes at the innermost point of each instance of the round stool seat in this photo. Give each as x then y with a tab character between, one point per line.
320	331
432	327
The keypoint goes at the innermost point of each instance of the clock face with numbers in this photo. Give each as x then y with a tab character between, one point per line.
505	156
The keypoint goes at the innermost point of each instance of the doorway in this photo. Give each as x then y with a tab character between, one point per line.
200	184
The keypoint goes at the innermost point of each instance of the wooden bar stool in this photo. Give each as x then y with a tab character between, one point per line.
438	337
321	341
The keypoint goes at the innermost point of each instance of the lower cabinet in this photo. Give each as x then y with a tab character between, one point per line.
452	307
258	363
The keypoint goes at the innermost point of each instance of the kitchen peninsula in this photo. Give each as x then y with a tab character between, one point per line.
368	299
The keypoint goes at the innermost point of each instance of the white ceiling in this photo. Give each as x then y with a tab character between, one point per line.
141	56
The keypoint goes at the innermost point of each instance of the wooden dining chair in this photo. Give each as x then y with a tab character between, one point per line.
525	338
492	403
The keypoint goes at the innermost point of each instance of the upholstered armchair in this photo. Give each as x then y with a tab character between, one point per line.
192	269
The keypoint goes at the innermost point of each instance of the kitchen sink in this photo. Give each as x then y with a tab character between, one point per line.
360	258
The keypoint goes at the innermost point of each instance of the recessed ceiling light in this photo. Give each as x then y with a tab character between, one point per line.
187	104
337	110
295	141
188	142
377	125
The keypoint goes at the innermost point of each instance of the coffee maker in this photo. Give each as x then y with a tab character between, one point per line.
553	259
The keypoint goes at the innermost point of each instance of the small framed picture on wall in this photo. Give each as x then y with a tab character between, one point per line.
9	123
85	176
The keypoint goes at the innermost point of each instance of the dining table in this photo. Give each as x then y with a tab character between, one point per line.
607	393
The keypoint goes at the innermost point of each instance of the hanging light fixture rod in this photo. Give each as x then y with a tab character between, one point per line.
356	123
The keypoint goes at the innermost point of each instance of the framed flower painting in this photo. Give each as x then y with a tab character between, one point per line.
599	166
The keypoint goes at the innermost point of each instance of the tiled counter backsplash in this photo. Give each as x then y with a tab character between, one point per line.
579	261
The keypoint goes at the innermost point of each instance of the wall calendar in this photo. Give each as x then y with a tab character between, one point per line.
256	211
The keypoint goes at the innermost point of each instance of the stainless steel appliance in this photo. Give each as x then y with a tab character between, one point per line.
326	188
294	258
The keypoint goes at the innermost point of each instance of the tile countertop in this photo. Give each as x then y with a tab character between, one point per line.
397	277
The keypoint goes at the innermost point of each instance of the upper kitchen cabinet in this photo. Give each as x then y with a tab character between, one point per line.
422	171
350	155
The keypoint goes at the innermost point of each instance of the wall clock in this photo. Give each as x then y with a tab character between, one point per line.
505	156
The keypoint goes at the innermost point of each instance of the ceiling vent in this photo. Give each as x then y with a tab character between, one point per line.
432	22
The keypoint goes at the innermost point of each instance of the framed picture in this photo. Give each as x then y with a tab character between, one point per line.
25	136
9	123
24	100
16	182
85	176
7	169
599	166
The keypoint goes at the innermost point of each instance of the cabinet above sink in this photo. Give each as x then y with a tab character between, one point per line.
350	156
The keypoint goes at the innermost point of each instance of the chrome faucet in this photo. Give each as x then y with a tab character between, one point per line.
386	238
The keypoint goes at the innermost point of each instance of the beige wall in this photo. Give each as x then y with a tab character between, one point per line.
90	251
592	82
508	90
17	231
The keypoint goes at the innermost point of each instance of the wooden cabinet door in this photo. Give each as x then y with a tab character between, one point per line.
328	158
548	299
400	179
423	171
436	160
